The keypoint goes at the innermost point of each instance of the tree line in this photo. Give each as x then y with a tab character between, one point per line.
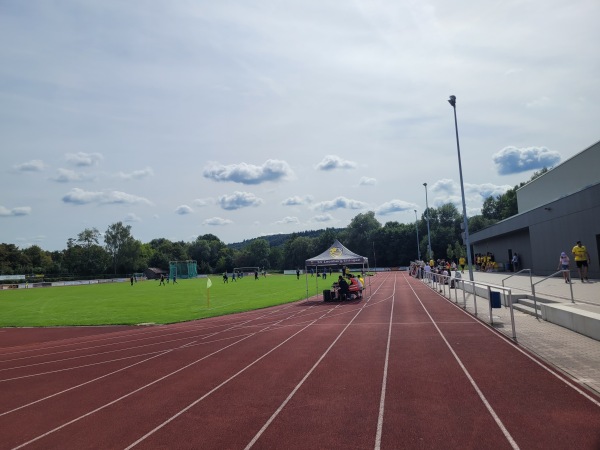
392	244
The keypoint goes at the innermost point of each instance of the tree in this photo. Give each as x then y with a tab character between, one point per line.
118	241
360	233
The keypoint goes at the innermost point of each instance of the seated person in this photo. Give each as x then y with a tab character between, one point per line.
355	287
343	288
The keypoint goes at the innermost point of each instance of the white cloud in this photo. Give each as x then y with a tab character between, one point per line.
217	221
515	160
183	210
394	206
287	220
131	217
271	170
78	196
340	203
14	212
35	165
201	202
68	176
296	200
82	159
333	162
136	174
366	181
239	200
321	218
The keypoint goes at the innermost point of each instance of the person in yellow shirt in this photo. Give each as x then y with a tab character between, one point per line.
582	259
461	263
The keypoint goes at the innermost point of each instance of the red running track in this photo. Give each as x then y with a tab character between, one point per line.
404	368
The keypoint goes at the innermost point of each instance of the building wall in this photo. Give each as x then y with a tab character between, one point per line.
505	246
541	234
571	176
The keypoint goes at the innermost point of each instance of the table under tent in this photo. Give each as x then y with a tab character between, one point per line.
336	256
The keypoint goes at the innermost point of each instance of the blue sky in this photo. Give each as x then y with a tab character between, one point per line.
243	119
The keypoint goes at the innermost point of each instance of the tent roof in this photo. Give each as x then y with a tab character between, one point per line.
336	254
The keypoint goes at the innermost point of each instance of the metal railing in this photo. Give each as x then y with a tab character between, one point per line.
544	279
438	282
517	273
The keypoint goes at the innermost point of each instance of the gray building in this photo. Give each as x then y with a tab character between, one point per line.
556	210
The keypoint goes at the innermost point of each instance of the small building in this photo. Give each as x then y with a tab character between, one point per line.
557	209
152	273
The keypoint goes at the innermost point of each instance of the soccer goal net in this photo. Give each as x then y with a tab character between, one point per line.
245	271
183	269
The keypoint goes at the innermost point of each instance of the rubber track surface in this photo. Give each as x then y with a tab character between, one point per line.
404	368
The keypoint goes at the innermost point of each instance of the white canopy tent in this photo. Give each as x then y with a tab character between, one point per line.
336	255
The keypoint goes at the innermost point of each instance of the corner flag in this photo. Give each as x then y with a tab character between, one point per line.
208	285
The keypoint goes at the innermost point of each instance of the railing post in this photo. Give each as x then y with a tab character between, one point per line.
512	315
474	297
490	302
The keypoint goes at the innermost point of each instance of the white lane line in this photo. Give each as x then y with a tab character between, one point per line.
106	405
83	366
512	344
299	385
195	402
80	385
385	374
499	422
238	325
128	394
161	333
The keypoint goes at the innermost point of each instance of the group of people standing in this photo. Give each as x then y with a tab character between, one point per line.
582	260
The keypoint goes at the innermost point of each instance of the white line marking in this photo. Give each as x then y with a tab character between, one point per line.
504	430
154	430
289	397
385	373
504	339
80	385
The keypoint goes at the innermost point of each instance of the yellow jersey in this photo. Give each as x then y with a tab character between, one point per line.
580	253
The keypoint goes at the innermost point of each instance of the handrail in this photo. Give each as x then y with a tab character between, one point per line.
522	270
433	280
544	279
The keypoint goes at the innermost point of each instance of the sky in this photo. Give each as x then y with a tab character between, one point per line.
250	118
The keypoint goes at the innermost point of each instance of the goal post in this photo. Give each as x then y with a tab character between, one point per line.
183	269
245	271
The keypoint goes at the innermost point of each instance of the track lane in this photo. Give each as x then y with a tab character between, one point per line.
526	393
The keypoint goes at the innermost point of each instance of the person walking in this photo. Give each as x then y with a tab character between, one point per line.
582	260
563	264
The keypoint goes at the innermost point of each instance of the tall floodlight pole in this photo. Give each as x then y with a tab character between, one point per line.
427	217
417	228
452	102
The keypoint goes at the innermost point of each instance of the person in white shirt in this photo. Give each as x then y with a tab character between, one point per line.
563	264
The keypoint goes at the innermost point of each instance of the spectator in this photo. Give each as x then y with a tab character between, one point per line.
563	264
582	259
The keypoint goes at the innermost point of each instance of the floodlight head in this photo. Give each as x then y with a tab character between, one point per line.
425	184
452	100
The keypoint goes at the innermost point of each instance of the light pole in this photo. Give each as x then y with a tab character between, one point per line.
452	102
417	228
427	217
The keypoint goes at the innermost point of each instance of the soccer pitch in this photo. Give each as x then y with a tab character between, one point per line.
146	302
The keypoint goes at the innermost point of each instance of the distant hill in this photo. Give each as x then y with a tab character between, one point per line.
278	240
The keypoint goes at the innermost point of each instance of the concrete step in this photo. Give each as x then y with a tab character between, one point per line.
527	309
527	305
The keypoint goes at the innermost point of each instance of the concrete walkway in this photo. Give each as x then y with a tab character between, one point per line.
574	354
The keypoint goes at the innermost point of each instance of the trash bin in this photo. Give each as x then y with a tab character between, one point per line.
327	295
495	299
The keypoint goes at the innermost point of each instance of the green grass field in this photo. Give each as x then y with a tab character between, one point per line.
147	302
